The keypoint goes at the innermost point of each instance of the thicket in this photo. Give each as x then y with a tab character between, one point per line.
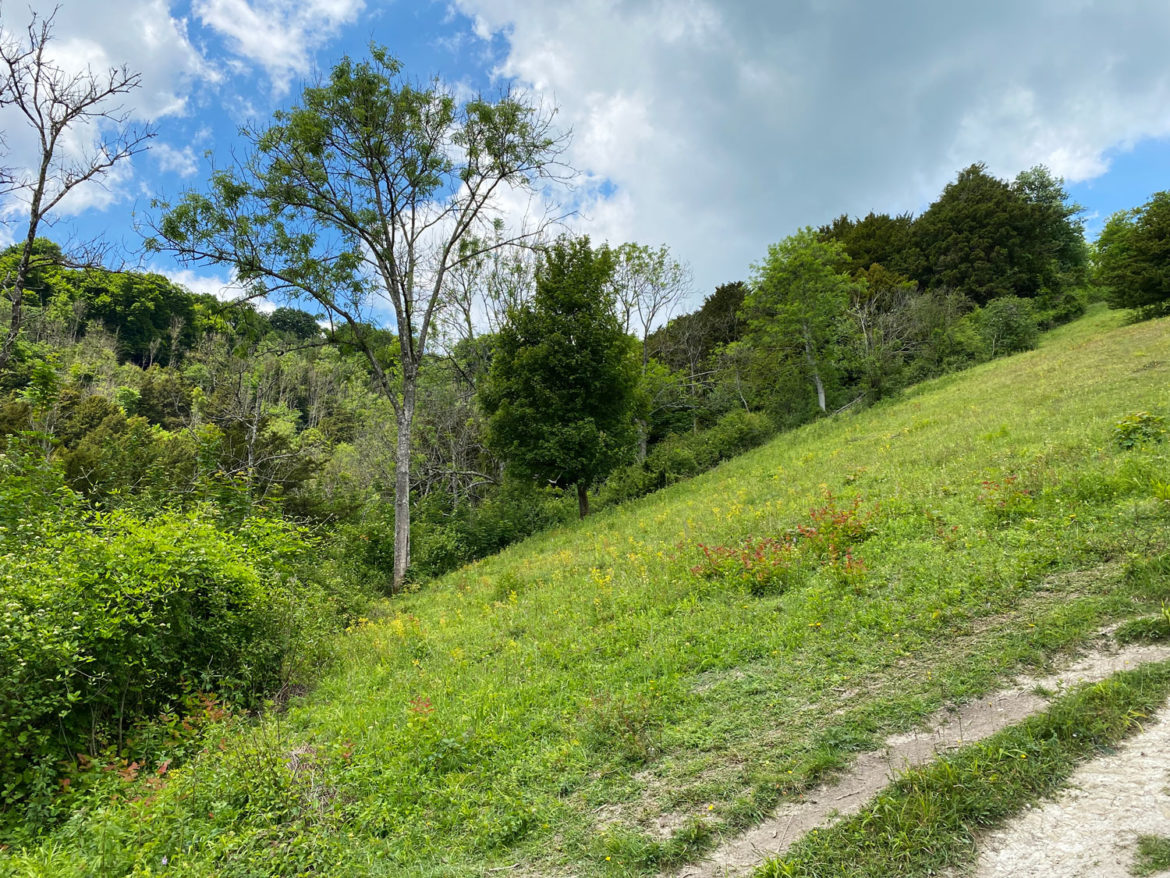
112	618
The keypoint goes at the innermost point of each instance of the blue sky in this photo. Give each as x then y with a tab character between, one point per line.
715	128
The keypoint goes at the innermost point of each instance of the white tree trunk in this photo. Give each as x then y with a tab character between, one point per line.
816	374
404	419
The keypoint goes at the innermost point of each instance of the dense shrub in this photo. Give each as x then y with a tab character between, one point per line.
444	538
1008	325
1137	429
108	619
687	454
1055	309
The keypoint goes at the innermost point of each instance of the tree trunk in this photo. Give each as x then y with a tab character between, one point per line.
404	421
643	438
816	374
582	499
15	320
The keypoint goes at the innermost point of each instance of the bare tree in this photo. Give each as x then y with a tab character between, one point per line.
54	102
649	284
481	290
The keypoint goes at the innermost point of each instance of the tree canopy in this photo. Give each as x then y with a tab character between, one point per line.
1133	257
561	389
797	296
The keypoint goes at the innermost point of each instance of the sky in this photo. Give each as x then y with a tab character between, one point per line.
715	128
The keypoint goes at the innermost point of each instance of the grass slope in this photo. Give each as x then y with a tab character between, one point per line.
586	703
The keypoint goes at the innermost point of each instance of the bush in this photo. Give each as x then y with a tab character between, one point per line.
444	537
1137	429
1056	309
688	454
1008	325
108	619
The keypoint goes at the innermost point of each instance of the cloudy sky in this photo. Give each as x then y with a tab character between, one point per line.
712	127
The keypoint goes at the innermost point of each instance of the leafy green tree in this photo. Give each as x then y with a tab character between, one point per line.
560	394
292	321
359	199
1008	325
878	238
1058	234
1133	257
978	239
797	298
151	317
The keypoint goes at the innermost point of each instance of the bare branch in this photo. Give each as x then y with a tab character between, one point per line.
53	101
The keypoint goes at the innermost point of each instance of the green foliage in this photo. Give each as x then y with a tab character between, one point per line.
1057	252
979	239
1137	429
1008	325
560	393
684	455
109	619
294	322
152	318
689	340
744	702
797	297
878	239
1133	257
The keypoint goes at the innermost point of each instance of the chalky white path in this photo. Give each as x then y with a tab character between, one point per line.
1091	829
872	771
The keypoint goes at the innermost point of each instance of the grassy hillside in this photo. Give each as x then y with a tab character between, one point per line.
606	698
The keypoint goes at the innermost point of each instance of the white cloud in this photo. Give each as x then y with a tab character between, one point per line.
223	287
175	161
725	126
142	34
277	35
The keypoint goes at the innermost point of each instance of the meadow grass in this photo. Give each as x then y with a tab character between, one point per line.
603	700
1153	856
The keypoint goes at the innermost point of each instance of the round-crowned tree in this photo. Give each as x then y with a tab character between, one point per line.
560	394
1133	257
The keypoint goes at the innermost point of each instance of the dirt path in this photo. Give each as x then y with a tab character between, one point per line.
872	771
1091	828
